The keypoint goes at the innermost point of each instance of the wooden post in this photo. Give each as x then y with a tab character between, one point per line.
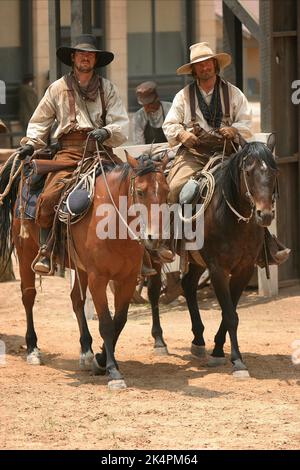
81	18
233	44
54	39
267	287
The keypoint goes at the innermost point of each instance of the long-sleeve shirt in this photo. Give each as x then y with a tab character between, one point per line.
155	119
179	116
54	106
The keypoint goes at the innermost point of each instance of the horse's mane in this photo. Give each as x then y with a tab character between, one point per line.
228	176
145	165
7	206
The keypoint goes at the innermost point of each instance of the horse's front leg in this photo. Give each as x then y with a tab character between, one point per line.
238	282
154	289
26	250
86	355
230	320
97	285
189	285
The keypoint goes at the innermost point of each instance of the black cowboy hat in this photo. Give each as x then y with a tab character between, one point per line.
85	42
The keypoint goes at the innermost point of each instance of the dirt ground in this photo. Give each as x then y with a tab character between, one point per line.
172	402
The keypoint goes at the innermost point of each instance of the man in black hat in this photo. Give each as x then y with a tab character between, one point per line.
148	121
82	103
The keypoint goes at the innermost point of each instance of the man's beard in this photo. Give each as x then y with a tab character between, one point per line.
85	68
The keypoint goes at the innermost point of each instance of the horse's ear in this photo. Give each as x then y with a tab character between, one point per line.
132	161
164	162
242	141
271	141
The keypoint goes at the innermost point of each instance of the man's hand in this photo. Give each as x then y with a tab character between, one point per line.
25	151
100	135
188	139
228	132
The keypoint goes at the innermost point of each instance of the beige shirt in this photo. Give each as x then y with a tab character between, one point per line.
179	116
54	106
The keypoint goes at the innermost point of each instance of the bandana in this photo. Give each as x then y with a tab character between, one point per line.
89	92
213	113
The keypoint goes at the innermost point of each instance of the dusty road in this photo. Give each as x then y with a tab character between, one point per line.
172	402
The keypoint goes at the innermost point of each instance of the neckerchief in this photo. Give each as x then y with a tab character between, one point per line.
90	92
213	113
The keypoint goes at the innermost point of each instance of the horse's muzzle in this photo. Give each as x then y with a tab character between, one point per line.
264	217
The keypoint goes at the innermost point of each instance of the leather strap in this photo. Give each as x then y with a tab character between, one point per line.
71	97
225	90
104	112
192	101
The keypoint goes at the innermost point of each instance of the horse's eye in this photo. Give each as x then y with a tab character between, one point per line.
140	192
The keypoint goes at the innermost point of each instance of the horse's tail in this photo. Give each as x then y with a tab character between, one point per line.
7	204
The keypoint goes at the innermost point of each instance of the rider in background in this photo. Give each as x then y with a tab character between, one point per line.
205	115
148	121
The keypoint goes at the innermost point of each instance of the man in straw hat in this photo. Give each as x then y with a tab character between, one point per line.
206	117
82	103
200	108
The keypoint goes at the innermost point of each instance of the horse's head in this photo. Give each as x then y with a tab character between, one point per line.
258	179
149	190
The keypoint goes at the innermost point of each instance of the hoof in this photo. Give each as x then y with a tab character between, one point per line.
96	369
198	351
117	384
161	351
240	370
34	358
86	360
241	374
216	361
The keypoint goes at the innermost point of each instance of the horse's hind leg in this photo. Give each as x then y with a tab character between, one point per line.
97	286
86	355
189	285
154	288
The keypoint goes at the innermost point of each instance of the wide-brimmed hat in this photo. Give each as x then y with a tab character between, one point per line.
146	93
85	42
200	52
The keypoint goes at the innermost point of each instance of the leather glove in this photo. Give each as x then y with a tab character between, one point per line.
25	151
188	139
100	134
228	132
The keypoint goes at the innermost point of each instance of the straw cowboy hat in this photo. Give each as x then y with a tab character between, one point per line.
200	52
85	42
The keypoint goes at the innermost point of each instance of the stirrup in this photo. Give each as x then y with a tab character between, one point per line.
43	265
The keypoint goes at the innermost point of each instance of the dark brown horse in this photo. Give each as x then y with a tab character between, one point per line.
234	222
100	259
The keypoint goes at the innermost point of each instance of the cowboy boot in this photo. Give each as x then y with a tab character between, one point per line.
43	265
147	269
276	252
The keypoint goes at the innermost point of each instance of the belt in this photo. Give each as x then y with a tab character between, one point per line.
77	140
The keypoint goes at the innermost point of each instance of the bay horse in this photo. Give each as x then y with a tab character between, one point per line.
234	221
101	259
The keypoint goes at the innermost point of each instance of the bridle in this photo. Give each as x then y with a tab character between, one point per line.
249	196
